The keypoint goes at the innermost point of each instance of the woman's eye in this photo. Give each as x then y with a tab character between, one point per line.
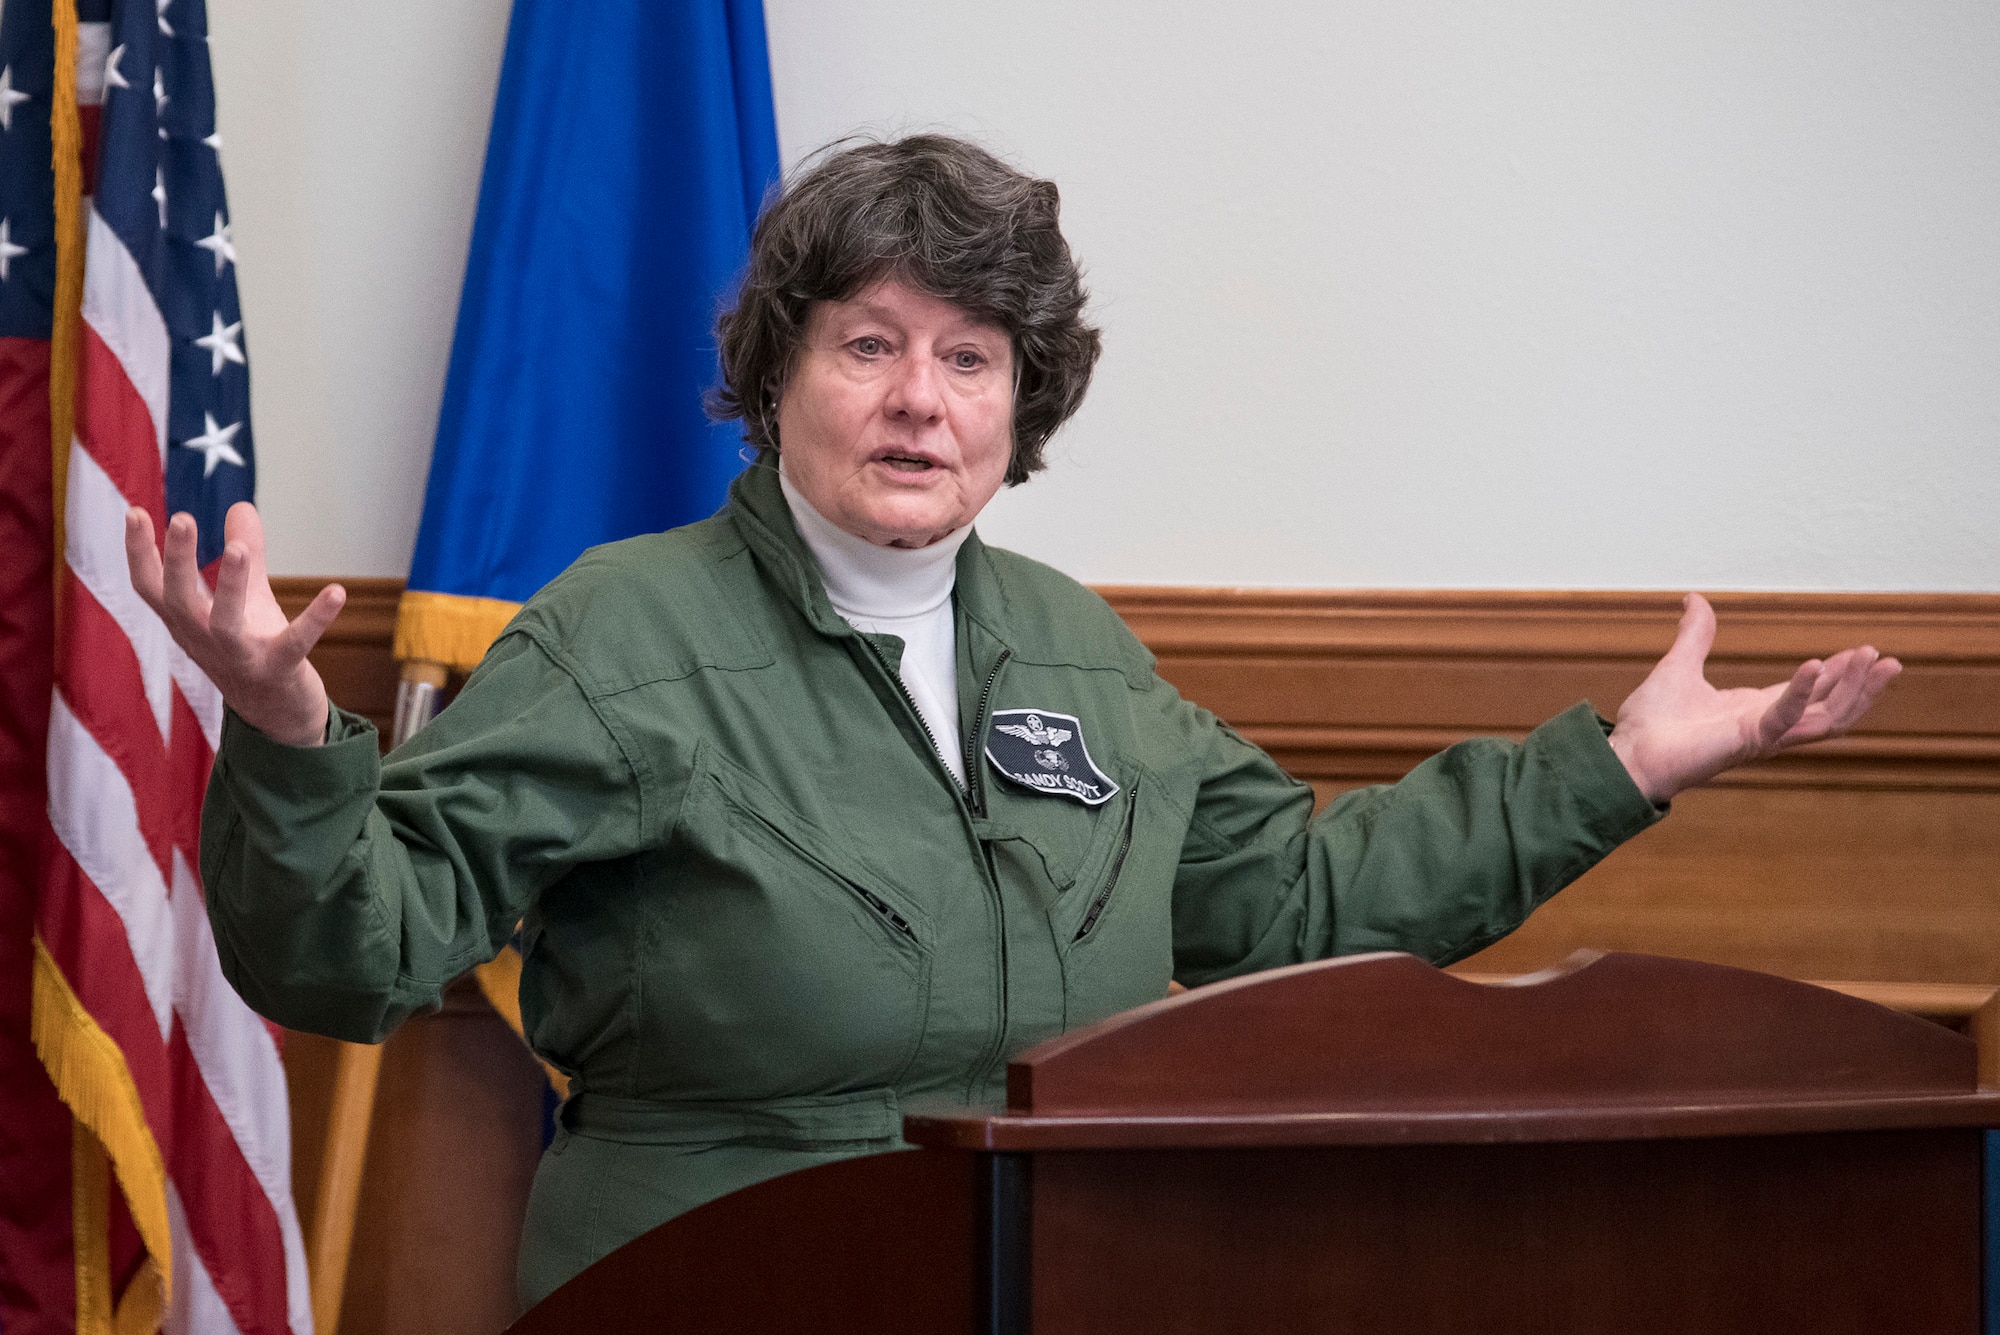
967	360
869	346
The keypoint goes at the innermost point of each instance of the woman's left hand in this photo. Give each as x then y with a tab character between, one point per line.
1677	731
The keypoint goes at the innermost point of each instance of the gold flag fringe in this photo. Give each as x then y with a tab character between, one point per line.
90	1074
449	628
143	1306
90	1225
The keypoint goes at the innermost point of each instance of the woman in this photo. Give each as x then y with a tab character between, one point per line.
821	806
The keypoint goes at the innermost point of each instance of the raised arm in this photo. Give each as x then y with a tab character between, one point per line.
237	635
1465	846
1676	731
346	892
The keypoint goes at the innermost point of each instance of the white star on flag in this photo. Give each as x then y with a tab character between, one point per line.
214	141
160	98
112	78
160	12
219	244
9	99
221	344
215	444
159	193
8	250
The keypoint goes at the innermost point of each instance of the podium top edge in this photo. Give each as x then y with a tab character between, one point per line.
1384	1031
996	1131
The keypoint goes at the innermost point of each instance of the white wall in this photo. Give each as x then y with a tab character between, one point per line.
1405	294
353	136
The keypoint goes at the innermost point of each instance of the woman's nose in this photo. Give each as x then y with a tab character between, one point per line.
915	392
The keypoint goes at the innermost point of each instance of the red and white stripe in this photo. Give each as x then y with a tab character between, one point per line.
134	727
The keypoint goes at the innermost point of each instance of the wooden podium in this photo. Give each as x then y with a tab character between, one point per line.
1624	1144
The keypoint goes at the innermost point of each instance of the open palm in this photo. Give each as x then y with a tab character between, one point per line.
1676	730
238	635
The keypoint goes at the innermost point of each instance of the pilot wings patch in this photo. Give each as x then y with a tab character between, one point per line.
1043	751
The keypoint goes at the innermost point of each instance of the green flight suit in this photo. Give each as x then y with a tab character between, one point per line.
762	917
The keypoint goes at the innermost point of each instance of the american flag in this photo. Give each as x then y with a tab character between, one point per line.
188	1097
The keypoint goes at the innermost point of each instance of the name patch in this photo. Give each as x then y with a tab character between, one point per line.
1043	751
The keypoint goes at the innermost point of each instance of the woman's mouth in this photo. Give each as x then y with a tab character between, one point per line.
907	463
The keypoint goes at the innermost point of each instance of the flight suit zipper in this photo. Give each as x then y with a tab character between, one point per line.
894	919
975	781
882	908
972	803
976	800
972	793
937	752
1117	868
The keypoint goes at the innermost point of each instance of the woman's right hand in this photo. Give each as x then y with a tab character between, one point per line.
238	635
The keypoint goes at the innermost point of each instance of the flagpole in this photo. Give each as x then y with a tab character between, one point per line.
418	695
357	1070
90	1170
343	1157
66	148
98	1311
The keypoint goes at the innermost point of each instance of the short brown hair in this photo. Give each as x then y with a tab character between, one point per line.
937	213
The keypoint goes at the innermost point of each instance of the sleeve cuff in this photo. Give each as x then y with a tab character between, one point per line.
1576	745
347	762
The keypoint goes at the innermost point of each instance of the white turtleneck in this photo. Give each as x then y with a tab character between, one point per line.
905	592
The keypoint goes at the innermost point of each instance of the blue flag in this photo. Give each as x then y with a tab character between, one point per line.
632	144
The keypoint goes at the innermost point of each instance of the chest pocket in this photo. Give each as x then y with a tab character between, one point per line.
1095	884
781	962
1114	927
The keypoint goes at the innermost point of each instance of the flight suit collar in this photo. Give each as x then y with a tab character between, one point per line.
757	507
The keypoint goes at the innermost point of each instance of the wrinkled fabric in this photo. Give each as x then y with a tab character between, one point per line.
761	917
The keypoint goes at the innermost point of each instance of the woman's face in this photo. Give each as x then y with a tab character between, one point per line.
898	418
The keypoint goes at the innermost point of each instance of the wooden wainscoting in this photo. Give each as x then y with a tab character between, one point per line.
1872	858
